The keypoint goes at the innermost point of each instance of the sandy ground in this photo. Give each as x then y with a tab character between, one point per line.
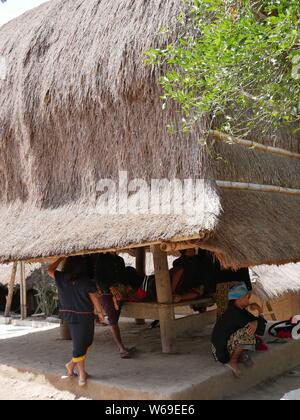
285	387
16	385
24	386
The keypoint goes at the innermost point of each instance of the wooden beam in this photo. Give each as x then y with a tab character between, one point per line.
23	291
162	276
90	252
140	310
10	290
164	295
48	259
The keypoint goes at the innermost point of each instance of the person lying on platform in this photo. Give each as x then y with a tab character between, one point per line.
186	282
78	303
110	271
234	335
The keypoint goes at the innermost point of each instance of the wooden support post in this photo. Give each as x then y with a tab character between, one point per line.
164	295
10	290
162	276
140	265
23	291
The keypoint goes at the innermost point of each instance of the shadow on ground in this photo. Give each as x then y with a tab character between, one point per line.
191	373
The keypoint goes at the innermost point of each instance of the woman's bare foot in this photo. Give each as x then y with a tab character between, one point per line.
82	381
234	369
70	369
177	298
127	353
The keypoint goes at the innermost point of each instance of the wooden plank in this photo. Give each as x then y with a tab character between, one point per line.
10	290
150	310
140	310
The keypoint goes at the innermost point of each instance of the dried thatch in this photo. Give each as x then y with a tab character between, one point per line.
274	282
79	105
32	271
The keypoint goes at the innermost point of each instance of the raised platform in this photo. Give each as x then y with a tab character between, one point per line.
191	373
174	318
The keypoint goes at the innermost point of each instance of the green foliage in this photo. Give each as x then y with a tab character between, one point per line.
238	60
47	297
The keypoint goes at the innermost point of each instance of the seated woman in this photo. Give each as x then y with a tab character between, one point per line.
235	331
225	279
186	279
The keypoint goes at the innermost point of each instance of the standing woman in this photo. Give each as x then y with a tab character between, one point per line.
77	302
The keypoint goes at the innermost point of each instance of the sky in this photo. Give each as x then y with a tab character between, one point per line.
13	8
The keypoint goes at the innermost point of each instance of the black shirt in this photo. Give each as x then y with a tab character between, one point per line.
228	275
75	305
231	321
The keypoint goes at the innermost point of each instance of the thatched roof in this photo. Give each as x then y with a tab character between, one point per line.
272	282
79	104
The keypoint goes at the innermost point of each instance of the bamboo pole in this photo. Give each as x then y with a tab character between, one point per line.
254	145
256	187
178	246
271	311
10	290
108	250
23	291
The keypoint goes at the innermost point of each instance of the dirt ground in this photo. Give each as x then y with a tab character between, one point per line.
285	387
19	386
24	386
16	384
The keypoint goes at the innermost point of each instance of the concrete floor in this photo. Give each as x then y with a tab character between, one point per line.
189	374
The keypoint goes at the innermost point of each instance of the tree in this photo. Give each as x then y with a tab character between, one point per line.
238	60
